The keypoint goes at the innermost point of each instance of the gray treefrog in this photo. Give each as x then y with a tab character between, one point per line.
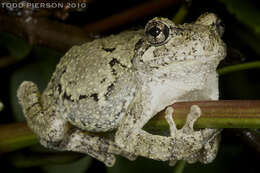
118	83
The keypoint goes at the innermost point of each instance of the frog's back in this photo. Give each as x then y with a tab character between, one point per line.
92	84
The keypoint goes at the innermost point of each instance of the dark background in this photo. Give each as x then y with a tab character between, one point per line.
30	51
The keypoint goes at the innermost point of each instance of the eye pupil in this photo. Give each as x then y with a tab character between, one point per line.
154	31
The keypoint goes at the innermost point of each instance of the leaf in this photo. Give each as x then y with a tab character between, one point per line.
246	12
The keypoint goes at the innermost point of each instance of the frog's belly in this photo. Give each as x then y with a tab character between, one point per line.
100	116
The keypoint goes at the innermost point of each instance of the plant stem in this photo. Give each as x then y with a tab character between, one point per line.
16	136
179	167
215	114
239	67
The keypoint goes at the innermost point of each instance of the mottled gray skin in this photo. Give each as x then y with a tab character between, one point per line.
120	82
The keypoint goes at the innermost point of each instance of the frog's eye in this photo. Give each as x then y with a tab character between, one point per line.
156	33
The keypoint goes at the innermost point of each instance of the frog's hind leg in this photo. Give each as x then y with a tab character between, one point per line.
54	132
77	141
100	147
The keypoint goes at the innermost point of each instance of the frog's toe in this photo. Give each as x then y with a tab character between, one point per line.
192	117
168	116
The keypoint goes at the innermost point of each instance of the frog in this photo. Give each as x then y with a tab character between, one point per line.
114	85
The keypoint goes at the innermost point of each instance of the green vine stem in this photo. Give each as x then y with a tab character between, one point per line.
179	167
215	114
15	136
239	67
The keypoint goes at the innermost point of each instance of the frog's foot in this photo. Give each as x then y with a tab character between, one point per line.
206	143
101	148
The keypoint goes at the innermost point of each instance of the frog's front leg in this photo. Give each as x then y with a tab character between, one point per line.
54	132
184	144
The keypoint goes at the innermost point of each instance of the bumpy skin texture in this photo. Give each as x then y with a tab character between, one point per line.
120	82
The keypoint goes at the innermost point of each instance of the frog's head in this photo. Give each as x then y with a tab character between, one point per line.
165	43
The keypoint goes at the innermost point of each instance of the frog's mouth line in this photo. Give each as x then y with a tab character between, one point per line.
204	58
